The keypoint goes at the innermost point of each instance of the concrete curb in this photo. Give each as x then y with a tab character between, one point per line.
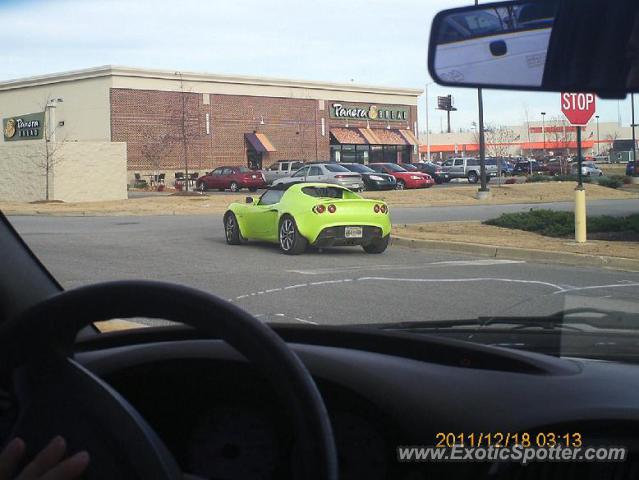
513	253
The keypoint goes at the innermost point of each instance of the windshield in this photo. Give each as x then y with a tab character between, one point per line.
104	167
394	168
336	168
355	167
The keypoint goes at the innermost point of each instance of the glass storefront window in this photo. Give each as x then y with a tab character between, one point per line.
390	154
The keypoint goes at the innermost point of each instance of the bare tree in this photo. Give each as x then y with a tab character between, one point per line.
610	140
154	147
47	156
499	139
187	125
561	134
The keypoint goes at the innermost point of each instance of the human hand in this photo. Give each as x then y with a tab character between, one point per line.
47	465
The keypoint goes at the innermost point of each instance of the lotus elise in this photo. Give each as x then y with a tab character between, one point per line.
316	214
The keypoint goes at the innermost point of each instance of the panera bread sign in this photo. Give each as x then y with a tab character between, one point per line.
23	127
383	113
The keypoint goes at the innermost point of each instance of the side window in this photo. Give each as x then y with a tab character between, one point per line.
472	162
377	168
217	171
274	168
301	173
227	171
271	197
297	165
459	162
448	163
284	166
315	171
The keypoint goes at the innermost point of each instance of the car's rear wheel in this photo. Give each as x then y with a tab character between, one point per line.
234	187
378	245
201	186
291	241
472	177
400	185
232	229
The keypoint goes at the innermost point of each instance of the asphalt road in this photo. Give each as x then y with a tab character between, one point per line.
336	286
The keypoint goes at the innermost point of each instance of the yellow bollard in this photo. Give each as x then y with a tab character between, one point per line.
580	215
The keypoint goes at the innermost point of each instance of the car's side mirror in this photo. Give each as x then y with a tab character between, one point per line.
250	200
542	45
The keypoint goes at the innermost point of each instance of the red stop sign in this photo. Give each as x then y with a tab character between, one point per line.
578	107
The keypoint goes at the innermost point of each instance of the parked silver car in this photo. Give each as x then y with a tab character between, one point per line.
589	169
326	173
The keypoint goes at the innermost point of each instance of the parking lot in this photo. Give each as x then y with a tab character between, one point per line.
336	286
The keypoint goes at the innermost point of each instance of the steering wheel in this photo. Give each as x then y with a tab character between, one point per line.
56	395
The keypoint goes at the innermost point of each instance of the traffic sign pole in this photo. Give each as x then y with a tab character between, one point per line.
579	109
580	198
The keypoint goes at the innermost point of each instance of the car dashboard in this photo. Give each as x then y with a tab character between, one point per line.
221	419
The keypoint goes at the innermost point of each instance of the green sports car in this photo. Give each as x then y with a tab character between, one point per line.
303	214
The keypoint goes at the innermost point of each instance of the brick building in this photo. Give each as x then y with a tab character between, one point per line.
174	120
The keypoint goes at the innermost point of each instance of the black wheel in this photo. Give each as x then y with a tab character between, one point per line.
234	187
377	246
291	241
400	185
473	177
232	229
253	189
201	186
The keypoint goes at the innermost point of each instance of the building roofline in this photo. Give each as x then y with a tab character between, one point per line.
121	71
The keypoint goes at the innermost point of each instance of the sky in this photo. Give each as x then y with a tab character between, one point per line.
372	42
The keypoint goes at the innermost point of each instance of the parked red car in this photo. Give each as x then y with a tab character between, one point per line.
232	178
405	179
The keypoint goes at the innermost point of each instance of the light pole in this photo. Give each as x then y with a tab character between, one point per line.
543	129
427	123
483	190
597	118
634	138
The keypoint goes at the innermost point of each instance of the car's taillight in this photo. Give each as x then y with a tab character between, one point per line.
319	208
376	208
383	209
332	208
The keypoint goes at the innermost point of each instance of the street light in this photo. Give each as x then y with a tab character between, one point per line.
634	138
597	118
543	129
427	122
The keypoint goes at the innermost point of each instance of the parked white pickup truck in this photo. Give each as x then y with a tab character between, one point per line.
281	169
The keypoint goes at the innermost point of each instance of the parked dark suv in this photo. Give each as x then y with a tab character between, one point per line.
433	170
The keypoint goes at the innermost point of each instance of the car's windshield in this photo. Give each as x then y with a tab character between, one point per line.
394	168
114	112
356	167
336	168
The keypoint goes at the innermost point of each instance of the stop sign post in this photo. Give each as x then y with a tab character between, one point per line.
579	109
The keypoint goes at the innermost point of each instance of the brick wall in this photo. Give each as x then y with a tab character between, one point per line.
150	122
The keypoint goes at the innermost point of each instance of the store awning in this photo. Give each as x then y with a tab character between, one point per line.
348	136
390	136
410	137
370	136
259	142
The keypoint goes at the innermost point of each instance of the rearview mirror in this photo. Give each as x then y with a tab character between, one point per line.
249	200
545	45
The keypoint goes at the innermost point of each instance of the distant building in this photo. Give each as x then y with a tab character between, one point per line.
552	137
